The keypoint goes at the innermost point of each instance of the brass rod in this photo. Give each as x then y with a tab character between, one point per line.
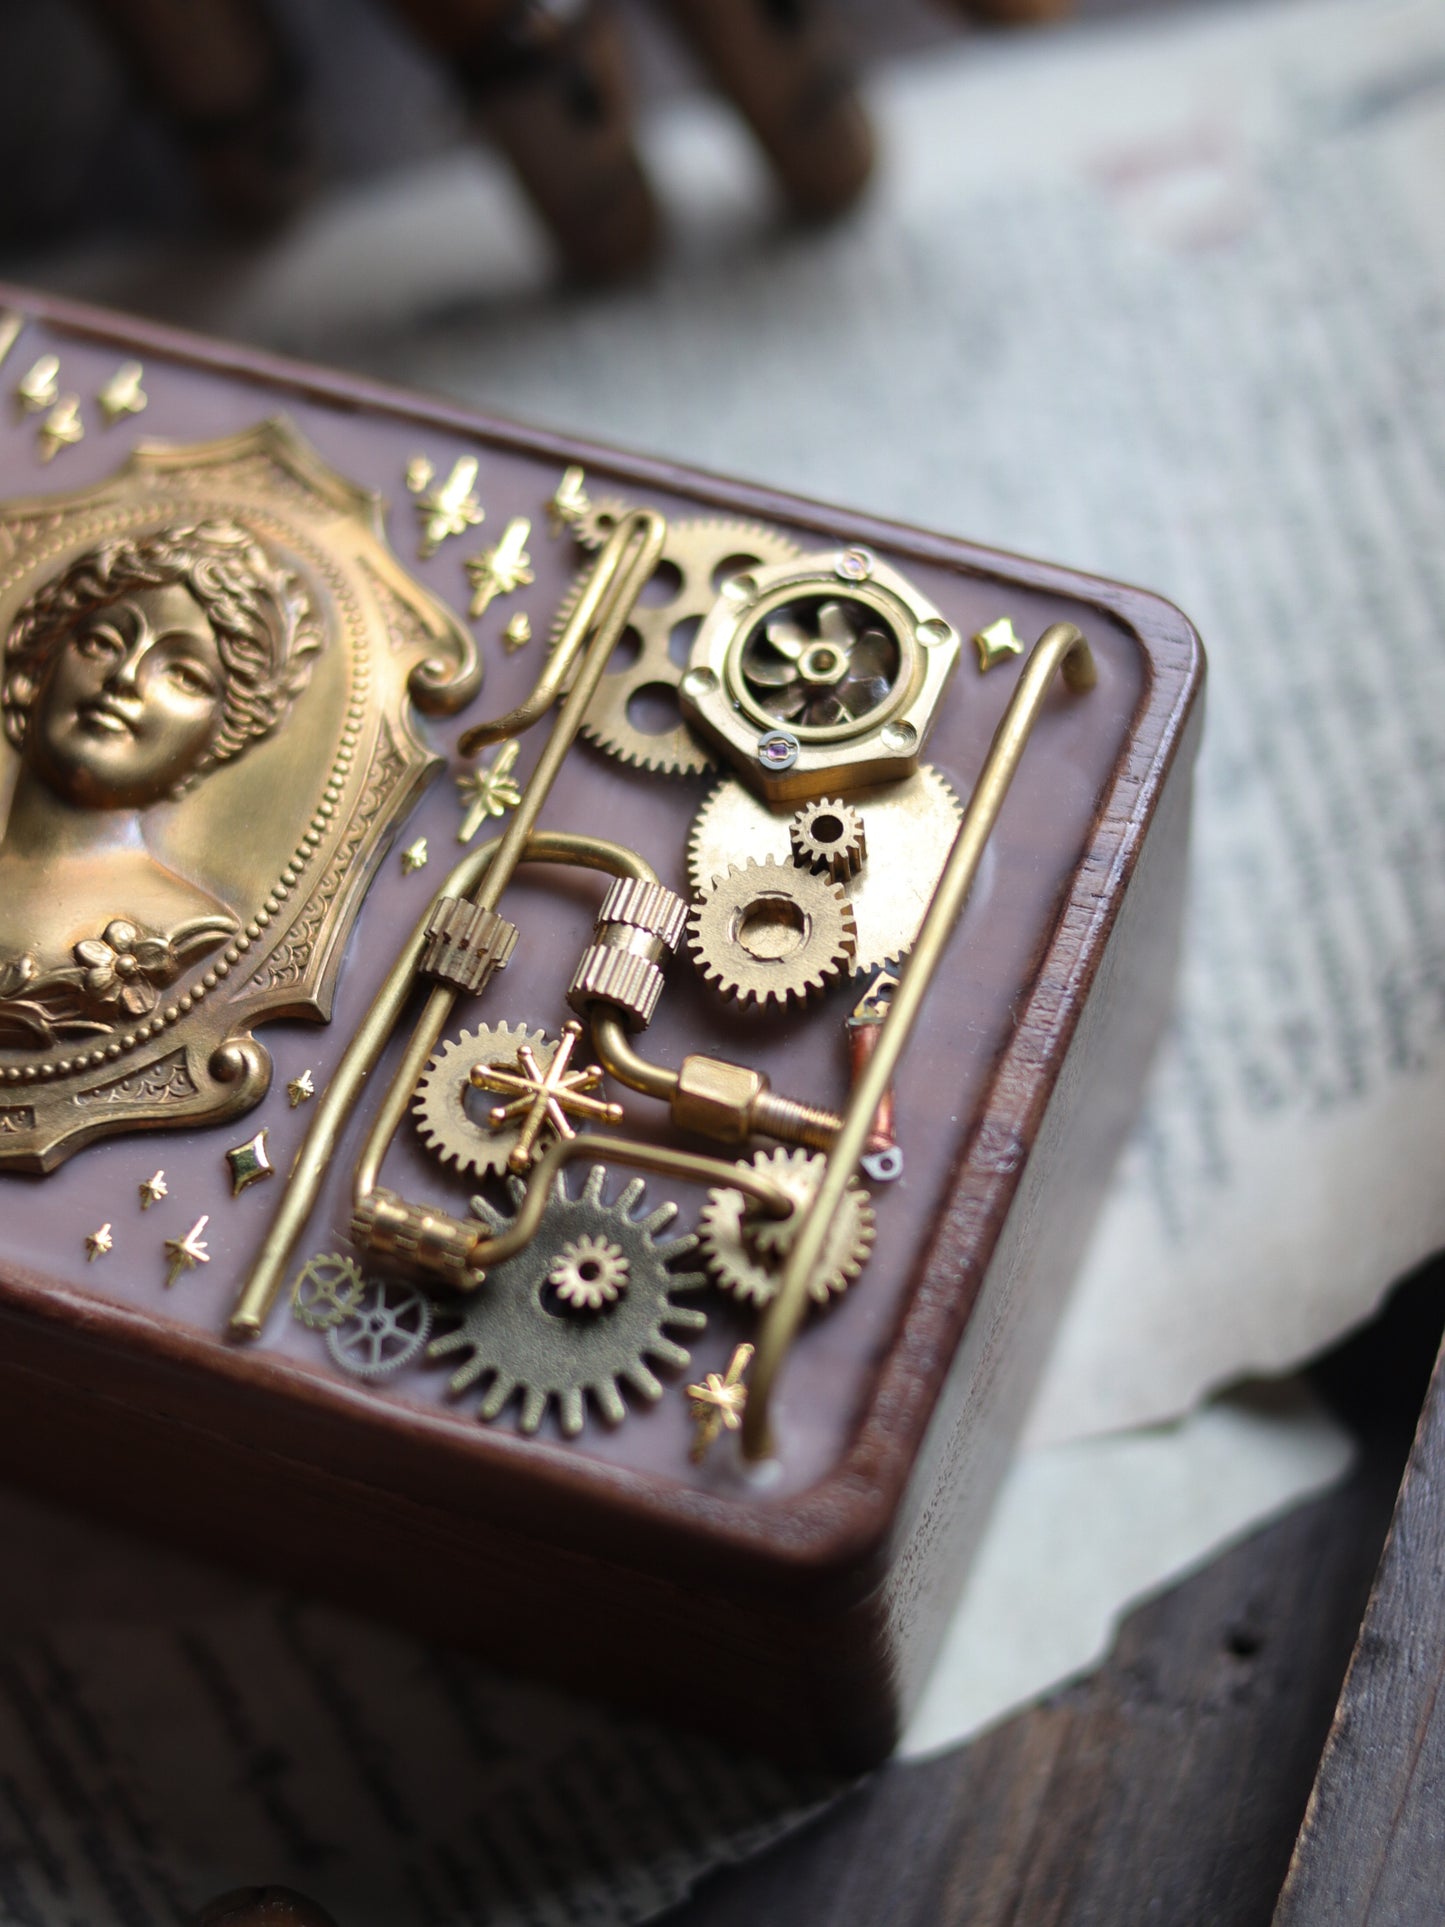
615	1053
1062	645
263	1286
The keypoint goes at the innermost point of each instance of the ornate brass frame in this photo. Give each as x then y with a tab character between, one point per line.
282	842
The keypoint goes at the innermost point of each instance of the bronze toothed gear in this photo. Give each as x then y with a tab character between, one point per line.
745	1251
911	827
447	1128
515	1337
592	528
772	932
695	552
829	836
589	1272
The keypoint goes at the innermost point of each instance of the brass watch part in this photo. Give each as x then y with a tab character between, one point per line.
911	827
692	556
744	1250
727	1102
772	933
829	836
466	943
639	925
454	1134
838	651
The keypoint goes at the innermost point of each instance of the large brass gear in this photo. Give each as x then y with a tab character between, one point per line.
911	827
745	1251
772	932
516	1336
439	1106
697	550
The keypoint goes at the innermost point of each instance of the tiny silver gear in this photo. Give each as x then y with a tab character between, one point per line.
439	1103
911	827
828	835
547	1354
328	1289
384	1331
589	1273
745	1251
695	551
772	932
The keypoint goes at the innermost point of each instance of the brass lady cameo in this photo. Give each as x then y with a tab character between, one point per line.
208	671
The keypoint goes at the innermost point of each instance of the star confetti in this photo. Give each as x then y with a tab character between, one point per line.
451	509
184	1254
999	640
152	1191
250	1163
98	1243
413	857
123	394
300	1089
719	1401
489	791
62	428
501	570
518	632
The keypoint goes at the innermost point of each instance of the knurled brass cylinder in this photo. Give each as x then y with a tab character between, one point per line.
416	1239
638	925
465	943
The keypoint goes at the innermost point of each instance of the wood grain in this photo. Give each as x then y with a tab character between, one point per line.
1372	1848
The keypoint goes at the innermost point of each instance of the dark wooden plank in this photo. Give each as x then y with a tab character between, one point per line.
1372	1847
1169	1786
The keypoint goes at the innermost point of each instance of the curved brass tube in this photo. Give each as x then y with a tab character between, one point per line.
261	1289
1059	646
614	1050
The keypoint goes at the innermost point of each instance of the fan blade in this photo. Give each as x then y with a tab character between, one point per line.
835	626
858	694
786	704
874	654
766	673
787	638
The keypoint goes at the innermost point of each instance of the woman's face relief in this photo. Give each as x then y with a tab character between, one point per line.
130	702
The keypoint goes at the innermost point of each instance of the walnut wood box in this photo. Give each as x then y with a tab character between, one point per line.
798	1608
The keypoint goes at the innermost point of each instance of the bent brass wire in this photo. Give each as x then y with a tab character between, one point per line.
1061	646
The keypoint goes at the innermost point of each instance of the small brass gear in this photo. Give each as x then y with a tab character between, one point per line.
700	554
589	1272
513	1336
828	836
745	1251
911	827
591	529
327	1291
449	1129
771	932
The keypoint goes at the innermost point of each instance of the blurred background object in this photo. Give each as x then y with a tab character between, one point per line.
144	114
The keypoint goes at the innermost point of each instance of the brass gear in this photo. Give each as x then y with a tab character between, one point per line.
589	1272
911	827
511	1335
327	1290
828	835
696	550
745	1250
439	1103
595	524
772	932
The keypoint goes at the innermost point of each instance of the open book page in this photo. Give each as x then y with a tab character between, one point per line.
1163	302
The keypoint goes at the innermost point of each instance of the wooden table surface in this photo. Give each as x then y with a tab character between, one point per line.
1170	1786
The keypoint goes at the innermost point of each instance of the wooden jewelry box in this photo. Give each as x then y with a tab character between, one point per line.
269	1285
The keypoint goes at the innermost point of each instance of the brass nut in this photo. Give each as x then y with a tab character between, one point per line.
466	943
716	1099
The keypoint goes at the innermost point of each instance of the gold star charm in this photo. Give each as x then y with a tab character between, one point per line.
413	857
250	1162
502	570
718	1403
489	791
10	325
419	473
543	1100
998	640
300	1088
123	394
570	502
152	1191
518	632
184	1254
38	387
97	1244
451	509
62	428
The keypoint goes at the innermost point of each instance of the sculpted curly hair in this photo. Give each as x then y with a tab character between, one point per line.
266	629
